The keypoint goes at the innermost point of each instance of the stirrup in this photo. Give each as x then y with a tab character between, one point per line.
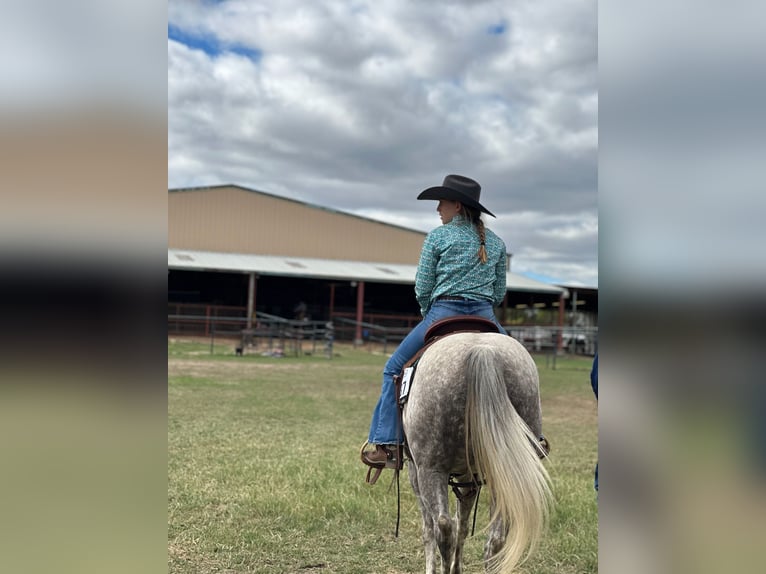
374	478
370	478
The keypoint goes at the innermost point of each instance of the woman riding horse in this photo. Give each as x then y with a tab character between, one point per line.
461	272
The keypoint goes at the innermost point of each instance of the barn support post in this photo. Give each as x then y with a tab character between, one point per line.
359	313
251	299
560	338
332	301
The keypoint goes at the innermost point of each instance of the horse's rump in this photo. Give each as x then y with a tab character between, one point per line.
437	400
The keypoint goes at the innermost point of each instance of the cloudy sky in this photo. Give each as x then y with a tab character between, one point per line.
359	105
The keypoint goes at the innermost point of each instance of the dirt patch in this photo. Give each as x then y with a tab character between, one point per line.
194	368
200	368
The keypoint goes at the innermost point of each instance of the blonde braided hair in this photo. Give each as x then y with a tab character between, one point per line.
474	216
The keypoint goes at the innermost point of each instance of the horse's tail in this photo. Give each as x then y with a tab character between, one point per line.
504	454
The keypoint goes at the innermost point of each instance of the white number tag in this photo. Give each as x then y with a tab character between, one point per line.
406	378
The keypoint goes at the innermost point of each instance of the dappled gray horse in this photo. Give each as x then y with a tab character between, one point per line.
474	410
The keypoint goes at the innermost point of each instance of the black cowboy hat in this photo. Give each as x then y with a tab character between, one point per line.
457	188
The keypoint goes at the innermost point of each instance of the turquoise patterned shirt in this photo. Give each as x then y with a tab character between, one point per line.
449	265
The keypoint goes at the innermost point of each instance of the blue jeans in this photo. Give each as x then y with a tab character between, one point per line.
385	419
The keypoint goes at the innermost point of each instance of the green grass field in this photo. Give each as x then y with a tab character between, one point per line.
264	473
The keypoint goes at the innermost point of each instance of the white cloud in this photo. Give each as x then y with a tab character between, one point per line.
360	105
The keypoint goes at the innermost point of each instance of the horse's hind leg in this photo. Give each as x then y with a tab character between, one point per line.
434	501
464	507
496	539
429	541
438	532
445	539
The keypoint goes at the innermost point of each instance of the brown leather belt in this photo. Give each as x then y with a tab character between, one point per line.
451	298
